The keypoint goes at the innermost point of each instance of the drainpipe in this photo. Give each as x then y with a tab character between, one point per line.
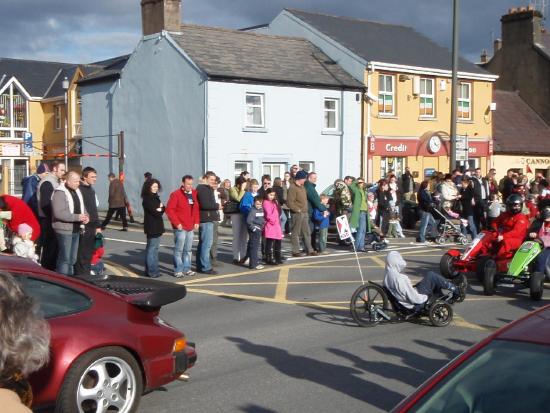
369	171
205	139
342	136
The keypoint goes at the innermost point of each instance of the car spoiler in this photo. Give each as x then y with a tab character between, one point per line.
145	293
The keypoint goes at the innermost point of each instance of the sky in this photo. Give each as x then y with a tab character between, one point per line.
84	31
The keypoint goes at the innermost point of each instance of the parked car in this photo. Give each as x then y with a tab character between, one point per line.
506	372
108	343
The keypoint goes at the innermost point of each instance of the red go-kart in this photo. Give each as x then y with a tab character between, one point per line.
484	254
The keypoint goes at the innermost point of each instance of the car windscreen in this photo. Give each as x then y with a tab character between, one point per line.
54	300
505	376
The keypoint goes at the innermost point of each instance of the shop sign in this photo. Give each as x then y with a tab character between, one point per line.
462	149
10	149
477	149
535	161
393	147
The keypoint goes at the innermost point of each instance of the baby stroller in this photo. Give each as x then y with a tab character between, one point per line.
374	239
449	227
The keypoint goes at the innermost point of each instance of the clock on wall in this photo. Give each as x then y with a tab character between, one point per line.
434	144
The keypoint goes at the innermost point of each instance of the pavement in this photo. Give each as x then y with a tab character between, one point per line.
281	339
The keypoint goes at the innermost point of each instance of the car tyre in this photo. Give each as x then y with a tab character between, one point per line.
489	269
109	375
441	314
480	269
536	285
446	266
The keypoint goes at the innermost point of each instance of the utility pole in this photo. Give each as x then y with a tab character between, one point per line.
454	94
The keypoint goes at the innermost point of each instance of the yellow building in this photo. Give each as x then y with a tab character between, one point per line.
33	115
407	111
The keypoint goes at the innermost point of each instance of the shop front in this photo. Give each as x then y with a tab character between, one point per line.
14	167
423	155
522	163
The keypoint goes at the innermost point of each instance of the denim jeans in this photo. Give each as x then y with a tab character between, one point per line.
425	220
361	231
67	253
323	234
206	236
152	257
183	241
472	226
433	283
240	236
254	238
540	263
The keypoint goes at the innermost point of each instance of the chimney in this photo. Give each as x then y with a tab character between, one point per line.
497	45
159	15
484	56
521	26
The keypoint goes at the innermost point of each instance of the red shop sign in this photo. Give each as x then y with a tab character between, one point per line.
393	147
478	149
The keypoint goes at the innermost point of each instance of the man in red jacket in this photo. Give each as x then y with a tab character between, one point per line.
183	212
20	214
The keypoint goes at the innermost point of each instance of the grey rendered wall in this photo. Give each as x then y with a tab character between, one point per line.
286	24
159	104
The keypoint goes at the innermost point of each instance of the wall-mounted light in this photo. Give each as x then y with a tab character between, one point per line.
493	106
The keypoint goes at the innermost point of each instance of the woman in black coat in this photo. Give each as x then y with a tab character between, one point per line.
384	205
466	202
153	209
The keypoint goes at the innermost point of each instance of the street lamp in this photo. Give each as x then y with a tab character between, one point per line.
454	91
65	86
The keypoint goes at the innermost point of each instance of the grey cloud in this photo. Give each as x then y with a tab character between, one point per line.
84	31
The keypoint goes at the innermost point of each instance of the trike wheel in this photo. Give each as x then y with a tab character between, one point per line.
463	240
489	276
365	303
441	314
440	240
446	266
536	285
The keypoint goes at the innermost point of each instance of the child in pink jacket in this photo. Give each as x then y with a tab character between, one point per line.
272	230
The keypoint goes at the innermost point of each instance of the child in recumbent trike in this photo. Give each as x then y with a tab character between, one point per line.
491	248
370	303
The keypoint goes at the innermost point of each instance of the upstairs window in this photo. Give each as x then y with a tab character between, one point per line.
331	109
13	113
386	99
464	101
57	116
255	115
427	98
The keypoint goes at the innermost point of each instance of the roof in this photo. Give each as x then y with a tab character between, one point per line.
35	76
386	43
544	44
106	69
534	328
237	55
515	119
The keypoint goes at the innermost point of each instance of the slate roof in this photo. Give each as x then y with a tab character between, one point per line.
35	76
106	69
518	129
387	43
252	57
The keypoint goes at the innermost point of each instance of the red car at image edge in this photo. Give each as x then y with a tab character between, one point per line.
509	371
108	343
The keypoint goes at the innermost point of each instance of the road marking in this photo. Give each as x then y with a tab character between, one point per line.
236	284
305	267
119	270
280	293
458	321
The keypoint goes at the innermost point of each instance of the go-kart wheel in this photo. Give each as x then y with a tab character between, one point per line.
480	269
441	314
365	302
440	240
489	276
536	285
446	266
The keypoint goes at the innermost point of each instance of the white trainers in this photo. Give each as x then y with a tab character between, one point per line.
259	267
178	275
190	273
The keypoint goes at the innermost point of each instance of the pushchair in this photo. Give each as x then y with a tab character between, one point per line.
449	228
375	240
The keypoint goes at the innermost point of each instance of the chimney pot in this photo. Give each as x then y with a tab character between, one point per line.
497	45
159	15
484	56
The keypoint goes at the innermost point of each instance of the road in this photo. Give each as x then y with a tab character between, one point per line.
281	339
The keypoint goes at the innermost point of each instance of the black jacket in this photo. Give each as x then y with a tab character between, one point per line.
478	193
255	220
90	205
384	198
279	191
209	209
407	182
466	196
153	225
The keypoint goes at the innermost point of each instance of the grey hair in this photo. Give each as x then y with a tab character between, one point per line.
24	335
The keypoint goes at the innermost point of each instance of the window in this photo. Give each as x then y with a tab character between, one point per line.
332	108
13	113
255	110
391	163
427	97
275	170
57	116
77	127
307	166
241	166
464	101
54	300
385	95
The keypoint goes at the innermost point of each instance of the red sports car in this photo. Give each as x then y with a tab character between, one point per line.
108	343
509	371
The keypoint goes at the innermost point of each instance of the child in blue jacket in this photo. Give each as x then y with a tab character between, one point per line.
321	221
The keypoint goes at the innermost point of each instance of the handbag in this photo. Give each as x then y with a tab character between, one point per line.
231	207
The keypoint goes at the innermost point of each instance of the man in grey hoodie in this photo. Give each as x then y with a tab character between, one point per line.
410	296
69	218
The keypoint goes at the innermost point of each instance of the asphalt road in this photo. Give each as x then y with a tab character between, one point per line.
282	340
